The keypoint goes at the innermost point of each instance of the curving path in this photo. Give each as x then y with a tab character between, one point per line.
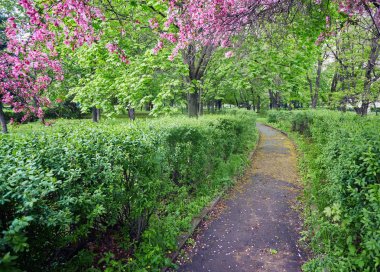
258	228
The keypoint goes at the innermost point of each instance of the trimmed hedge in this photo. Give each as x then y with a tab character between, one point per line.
64	188
342	155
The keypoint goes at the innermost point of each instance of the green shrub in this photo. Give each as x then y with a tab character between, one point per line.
63	188
342	154
276	116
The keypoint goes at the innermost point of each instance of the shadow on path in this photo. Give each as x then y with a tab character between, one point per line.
258	229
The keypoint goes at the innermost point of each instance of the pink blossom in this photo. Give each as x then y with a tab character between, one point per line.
229	54
153	23
112	47
158	47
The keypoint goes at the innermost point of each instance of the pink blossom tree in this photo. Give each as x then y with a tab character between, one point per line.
31	60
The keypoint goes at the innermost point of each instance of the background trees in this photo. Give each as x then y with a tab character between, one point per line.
170	56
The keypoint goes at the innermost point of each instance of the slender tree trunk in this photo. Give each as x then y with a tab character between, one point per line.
270	99
317	85
258	105
236	101
368	75
374	106
278	100
3	121
42	120
314	92
95	114
334	84
131	114
310	87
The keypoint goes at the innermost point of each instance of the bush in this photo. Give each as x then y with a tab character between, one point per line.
342	153
276	116
65	188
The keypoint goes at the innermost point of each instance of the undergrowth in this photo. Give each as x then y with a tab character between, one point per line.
341	170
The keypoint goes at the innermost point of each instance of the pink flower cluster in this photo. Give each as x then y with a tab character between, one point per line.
229	54
114	48
212	22
153	23
31	61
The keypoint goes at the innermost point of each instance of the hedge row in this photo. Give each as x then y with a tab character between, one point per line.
64	189
342	155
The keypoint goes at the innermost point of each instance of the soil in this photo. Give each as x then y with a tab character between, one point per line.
256	226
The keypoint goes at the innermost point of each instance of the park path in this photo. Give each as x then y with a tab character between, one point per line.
257	228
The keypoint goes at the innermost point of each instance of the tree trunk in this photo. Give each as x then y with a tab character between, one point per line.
334	84
197	60
314	101
236	100
219	104
368	75
2	120
270	99
95	114
131	114
149	106
278	100
275	99
364	108
193	104
314	92
210	107
200	103
258	105
375	108
42	120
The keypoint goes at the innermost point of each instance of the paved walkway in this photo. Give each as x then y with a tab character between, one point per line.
258	229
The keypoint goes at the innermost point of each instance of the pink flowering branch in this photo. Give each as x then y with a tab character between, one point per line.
31	62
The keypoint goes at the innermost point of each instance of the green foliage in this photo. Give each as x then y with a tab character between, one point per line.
61	187
278	116
342	157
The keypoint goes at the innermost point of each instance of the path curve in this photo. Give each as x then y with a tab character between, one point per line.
258	229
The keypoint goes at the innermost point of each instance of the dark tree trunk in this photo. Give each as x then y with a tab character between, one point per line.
193	104
42	120
271	99
197	60
236	100
314	92
368	75
314	101
334	84
3	121
149	106
219	104
258	105
275	99
131	114
364	108
95	114
210	107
